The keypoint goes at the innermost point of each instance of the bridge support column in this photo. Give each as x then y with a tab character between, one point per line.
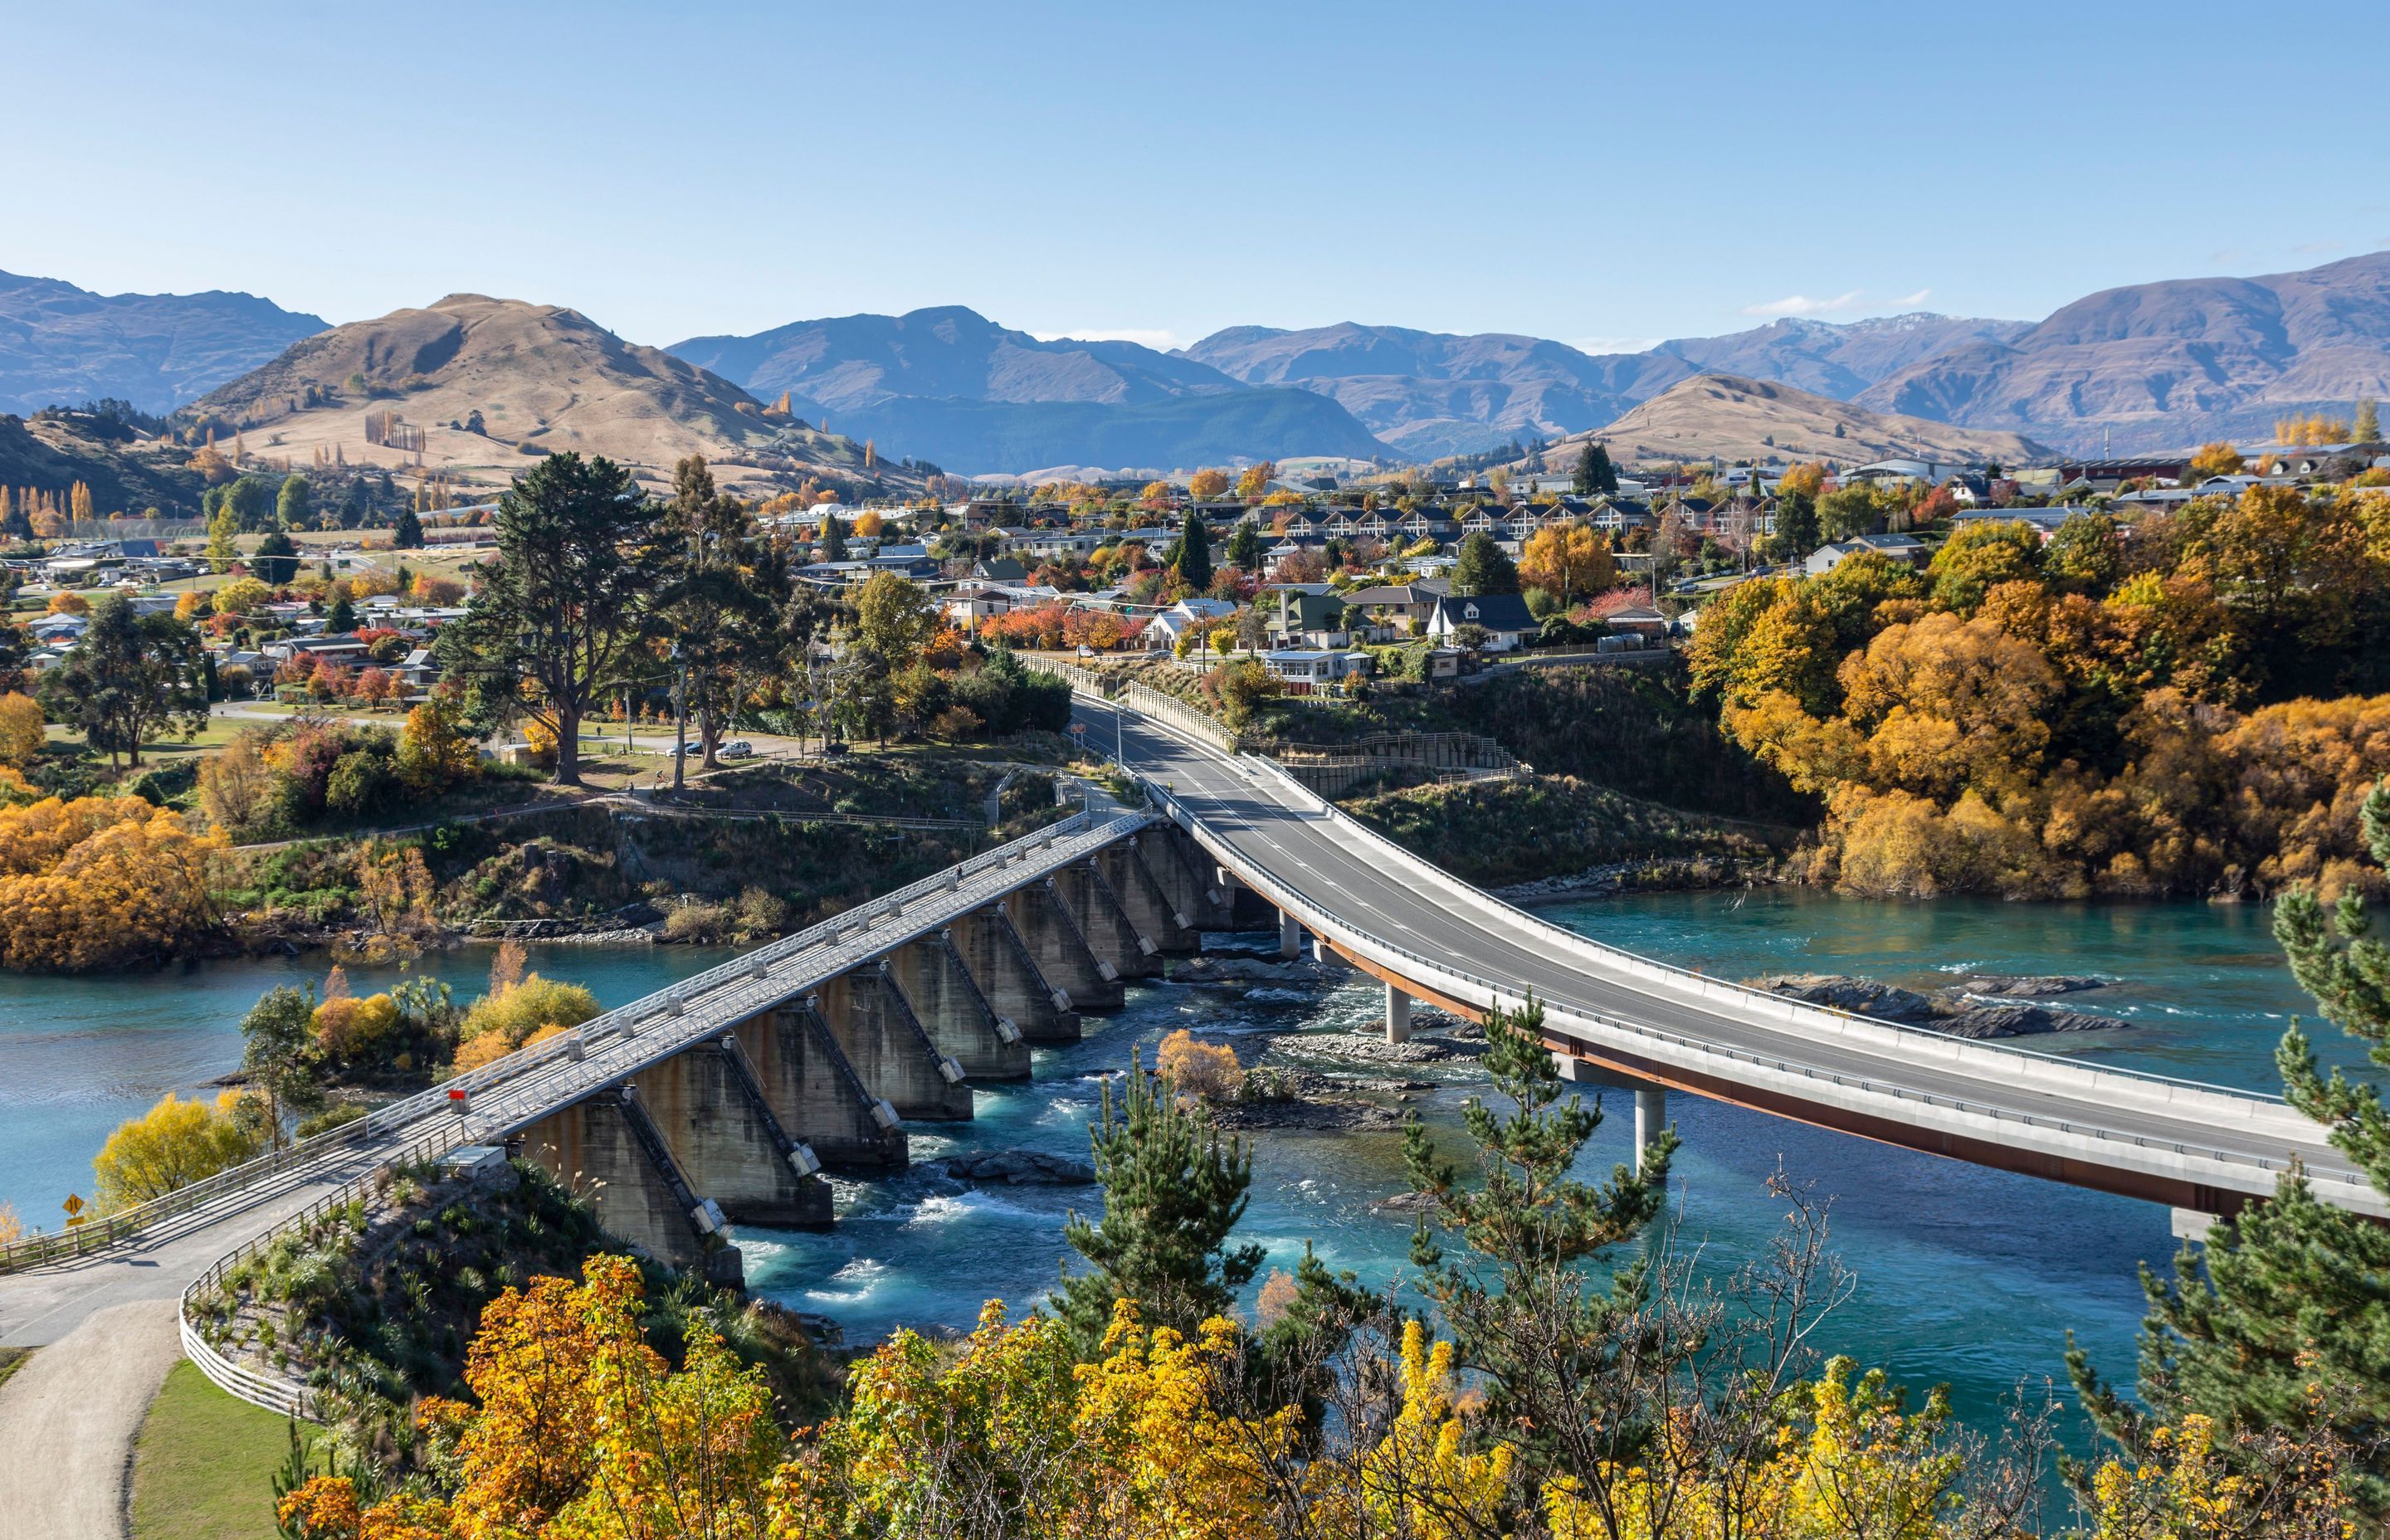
1158	916
1104	924
1290	936
2191	1224
608	1149
711	1112
815	1091
889	1048
1398	1015
1009	979
1650	1117
1061	952
951	1009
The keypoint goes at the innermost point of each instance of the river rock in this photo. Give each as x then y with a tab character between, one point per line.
1236	969
1364	1047
1952	1011
1014	1168
1859	996
1330	1116
2026	986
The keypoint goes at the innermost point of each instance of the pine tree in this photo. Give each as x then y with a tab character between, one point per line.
342	618
407	533
2291	1293
2367	429
1483	568
833	538
1517	1300
1172	1194
1245	550
277	558
1194	562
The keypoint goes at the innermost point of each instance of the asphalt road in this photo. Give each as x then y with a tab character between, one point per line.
1275	827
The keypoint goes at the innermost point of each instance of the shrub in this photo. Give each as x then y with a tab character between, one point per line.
514	1015
1205	1070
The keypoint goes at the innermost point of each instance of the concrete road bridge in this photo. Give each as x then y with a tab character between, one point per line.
2203	1150
724	1099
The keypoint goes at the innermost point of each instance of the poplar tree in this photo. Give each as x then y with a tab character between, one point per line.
1172	1192
2291	1294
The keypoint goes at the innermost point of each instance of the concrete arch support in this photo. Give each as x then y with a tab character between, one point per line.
1148	906
1008	978
711	1108
1104	924
608	1150
949	1004
888	1047
1052	936
816	1092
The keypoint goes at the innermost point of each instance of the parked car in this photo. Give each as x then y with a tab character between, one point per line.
738	748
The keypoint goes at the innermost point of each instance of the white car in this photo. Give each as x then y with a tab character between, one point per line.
738	748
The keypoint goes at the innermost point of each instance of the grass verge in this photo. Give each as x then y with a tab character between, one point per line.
204	1466
11	1360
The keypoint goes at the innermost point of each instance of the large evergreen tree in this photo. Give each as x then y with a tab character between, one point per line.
294	506
559	614
721	601
129	679
1193	560
1483	568
1245	548
1516	1300
2291	1295
1595	473
277	561
407	533
1172	1193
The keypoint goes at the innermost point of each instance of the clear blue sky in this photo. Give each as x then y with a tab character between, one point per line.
1585	171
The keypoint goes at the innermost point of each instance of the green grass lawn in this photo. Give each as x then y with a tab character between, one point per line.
203	1467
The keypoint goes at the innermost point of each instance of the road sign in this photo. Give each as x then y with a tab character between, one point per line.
1078	729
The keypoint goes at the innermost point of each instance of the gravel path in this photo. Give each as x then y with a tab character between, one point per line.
68	1418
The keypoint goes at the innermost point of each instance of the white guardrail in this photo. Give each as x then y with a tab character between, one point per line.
2096	1084
621	1024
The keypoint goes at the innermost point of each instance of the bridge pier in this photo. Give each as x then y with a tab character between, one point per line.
1007	977
607	1150
1059	950
2191	1224
951	1009
816	1092
1104	924
1398	1015
1650	1118
888	1047
1154	915
710	1109
1290	935
1179	875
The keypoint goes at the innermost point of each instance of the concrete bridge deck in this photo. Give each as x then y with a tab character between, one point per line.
2205	1149
177	1242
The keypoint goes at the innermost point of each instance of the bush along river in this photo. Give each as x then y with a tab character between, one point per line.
1964	1276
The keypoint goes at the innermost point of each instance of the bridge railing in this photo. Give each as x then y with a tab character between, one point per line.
116	1229
1506	994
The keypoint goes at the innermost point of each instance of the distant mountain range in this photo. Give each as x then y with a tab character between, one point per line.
2168	364
2159	364
60	345
949	386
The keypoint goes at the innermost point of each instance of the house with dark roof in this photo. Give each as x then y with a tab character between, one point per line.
1503	617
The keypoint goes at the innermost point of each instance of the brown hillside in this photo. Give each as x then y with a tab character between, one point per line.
542	377
1728	417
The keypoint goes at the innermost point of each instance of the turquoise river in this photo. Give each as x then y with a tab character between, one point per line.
1968	1276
